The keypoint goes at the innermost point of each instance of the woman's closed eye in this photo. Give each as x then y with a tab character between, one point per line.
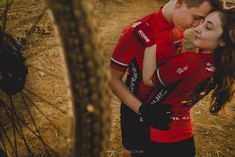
196	17
209	26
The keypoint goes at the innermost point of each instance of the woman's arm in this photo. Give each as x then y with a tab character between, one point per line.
173	70
149	65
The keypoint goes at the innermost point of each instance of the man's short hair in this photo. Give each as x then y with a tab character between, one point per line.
215	4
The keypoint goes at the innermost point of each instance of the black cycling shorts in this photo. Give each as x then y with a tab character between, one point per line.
134	133
185	148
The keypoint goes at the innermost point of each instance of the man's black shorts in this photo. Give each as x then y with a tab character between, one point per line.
134	133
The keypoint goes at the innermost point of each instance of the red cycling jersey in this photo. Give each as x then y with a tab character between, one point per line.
129	50
186	79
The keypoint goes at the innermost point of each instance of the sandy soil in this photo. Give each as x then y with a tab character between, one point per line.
45	90
214	135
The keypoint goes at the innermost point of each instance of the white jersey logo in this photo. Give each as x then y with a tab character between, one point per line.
136	24
210	67
181	70
142	34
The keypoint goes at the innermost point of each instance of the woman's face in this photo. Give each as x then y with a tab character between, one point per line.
207	35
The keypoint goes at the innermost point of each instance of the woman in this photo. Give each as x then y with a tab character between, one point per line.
183	81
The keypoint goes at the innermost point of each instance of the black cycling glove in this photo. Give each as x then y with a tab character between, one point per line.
156	115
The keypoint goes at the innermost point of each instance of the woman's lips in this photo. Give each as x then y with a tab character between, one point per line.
196	37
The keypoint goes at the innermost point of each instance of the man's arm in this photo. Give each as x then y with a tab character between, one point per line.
122	92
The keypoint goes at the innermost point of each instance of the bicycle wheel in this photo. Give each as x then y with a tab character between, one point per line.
31	123
89	88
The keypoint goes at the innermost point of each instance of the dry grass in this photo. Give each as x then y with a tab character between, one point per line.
214	135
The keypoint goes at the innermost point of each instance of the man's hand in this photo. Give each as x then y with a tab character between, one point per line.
157	115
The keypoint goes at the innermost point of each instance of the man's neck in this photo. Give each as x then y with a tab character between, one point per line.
168	9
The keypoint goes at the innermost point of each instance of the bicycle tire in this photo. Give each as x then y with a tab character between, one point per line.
87	77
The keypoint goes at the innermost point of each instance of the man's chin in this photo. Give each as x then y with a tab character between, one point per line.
182	29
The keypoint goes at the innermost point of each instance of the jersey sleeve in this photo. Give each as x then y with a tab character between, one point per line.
125	50
143	33
177	40
169	45
176	69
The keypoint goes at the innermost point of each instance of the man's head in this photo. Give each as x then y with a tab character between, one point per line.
215	4
190	13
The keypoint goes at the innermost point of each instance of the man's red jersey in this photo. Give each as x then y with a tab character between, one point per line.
188	77
129	51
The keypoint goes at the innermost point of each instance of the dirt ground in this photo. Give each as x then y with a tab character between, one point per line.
214	134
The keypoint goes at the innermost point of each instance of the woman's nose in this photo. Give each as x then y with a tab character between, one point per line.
197	29
198	22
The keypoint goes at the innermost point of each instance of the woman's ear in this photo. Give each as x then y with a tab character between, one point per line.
222	43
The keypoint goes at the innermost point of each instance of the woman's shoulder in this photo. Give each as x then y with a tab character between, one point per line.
191	58
190	55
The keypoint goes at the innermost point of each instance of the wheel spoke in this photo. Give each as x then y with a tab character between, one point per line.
7	138
36	128
42	113
36	133
20	129
10	114
4	19
47	102
13	126
3	142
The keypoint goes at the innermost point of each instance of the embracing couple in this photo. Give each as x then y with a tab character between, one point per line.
163	82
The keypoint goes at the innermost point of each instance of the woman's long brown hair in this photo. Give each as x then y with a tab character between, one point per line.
225	62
